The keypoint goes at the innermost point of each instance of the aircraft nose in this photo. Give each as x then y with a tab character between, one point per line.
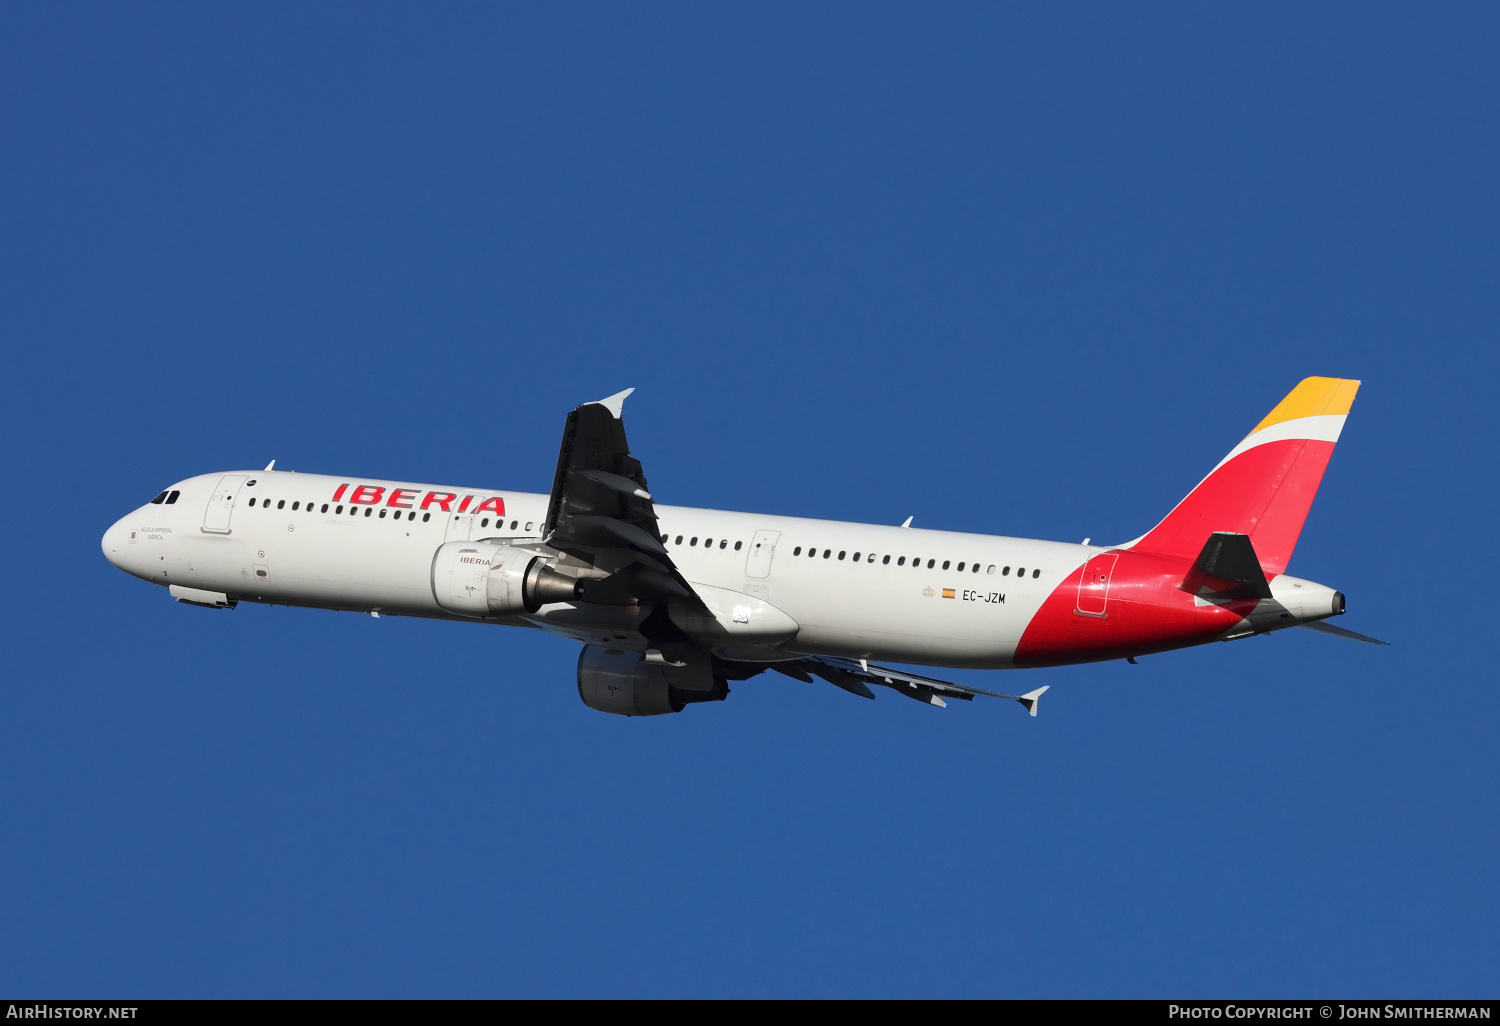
113	543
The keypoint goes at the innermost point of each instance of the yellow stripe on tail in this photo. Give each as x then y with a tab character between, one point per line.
1313	397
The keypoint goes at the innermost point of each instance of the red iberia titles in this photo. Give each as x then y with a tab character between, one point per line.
406	498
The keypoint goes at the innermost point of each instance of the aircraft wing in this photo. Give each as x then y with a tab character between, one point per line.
855	676
601	511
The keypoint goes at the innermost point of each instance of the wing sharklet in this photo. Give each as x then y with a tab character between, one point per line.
615	404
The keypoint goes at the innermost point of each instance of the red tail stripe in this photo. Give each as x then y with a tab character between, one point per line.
1264	492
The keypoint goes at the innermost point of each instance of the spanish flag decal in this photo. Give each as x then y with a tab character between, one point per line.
947	593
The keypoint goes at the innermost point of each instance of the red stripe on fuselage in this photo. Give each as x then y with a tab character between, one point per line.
1145	611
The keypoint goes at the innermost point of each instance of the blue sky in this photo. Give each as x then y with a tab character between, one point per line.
1022	270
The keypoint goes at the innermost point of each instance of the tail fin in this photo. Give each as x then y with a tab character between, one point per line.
1266	484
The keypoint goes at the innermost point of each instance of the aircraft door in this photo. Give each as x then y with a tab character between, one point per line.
762	551
221	504
1093	585
459	527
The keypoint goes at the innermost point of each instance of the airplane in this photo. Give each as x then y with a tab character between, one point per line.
672	604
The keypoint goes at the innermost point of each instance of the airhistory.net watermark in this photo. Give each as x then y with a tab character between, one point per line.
43	1010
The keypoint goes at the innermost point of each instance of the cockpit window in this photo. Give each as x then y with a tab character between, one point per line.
173	497
159	499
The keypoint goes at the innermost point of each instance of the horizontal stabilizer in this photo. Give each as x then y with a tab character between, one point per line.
1339	632
1231	558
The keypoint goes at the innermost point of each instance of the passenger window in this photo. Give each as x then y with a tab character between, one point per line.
871	559
485	522
528	525
164	498
339	510
991	570
929	563
1005	572
411	516
158	500
708	543
325	507
172	498
884	560
959	568
426	517
694	540
723	543
281	504
1020	571
797	551
295	505
1035	574
737	546
856	557
827	553
945	564
367	511
678	541
382	515
842	553
976	568
899	562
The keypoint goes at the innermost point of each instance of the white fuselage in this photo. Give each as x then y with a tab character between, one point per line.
902	594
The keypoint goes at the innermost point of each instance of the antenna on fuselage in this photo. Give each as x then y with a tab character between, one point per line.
908	522
270	466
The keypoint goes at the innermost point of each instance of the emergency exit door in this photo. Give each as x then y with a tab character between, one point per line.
762	551
460	526
1093	586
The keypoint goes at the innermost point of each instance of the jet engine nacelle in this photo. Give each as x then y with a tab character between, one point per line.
637	684
492	579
